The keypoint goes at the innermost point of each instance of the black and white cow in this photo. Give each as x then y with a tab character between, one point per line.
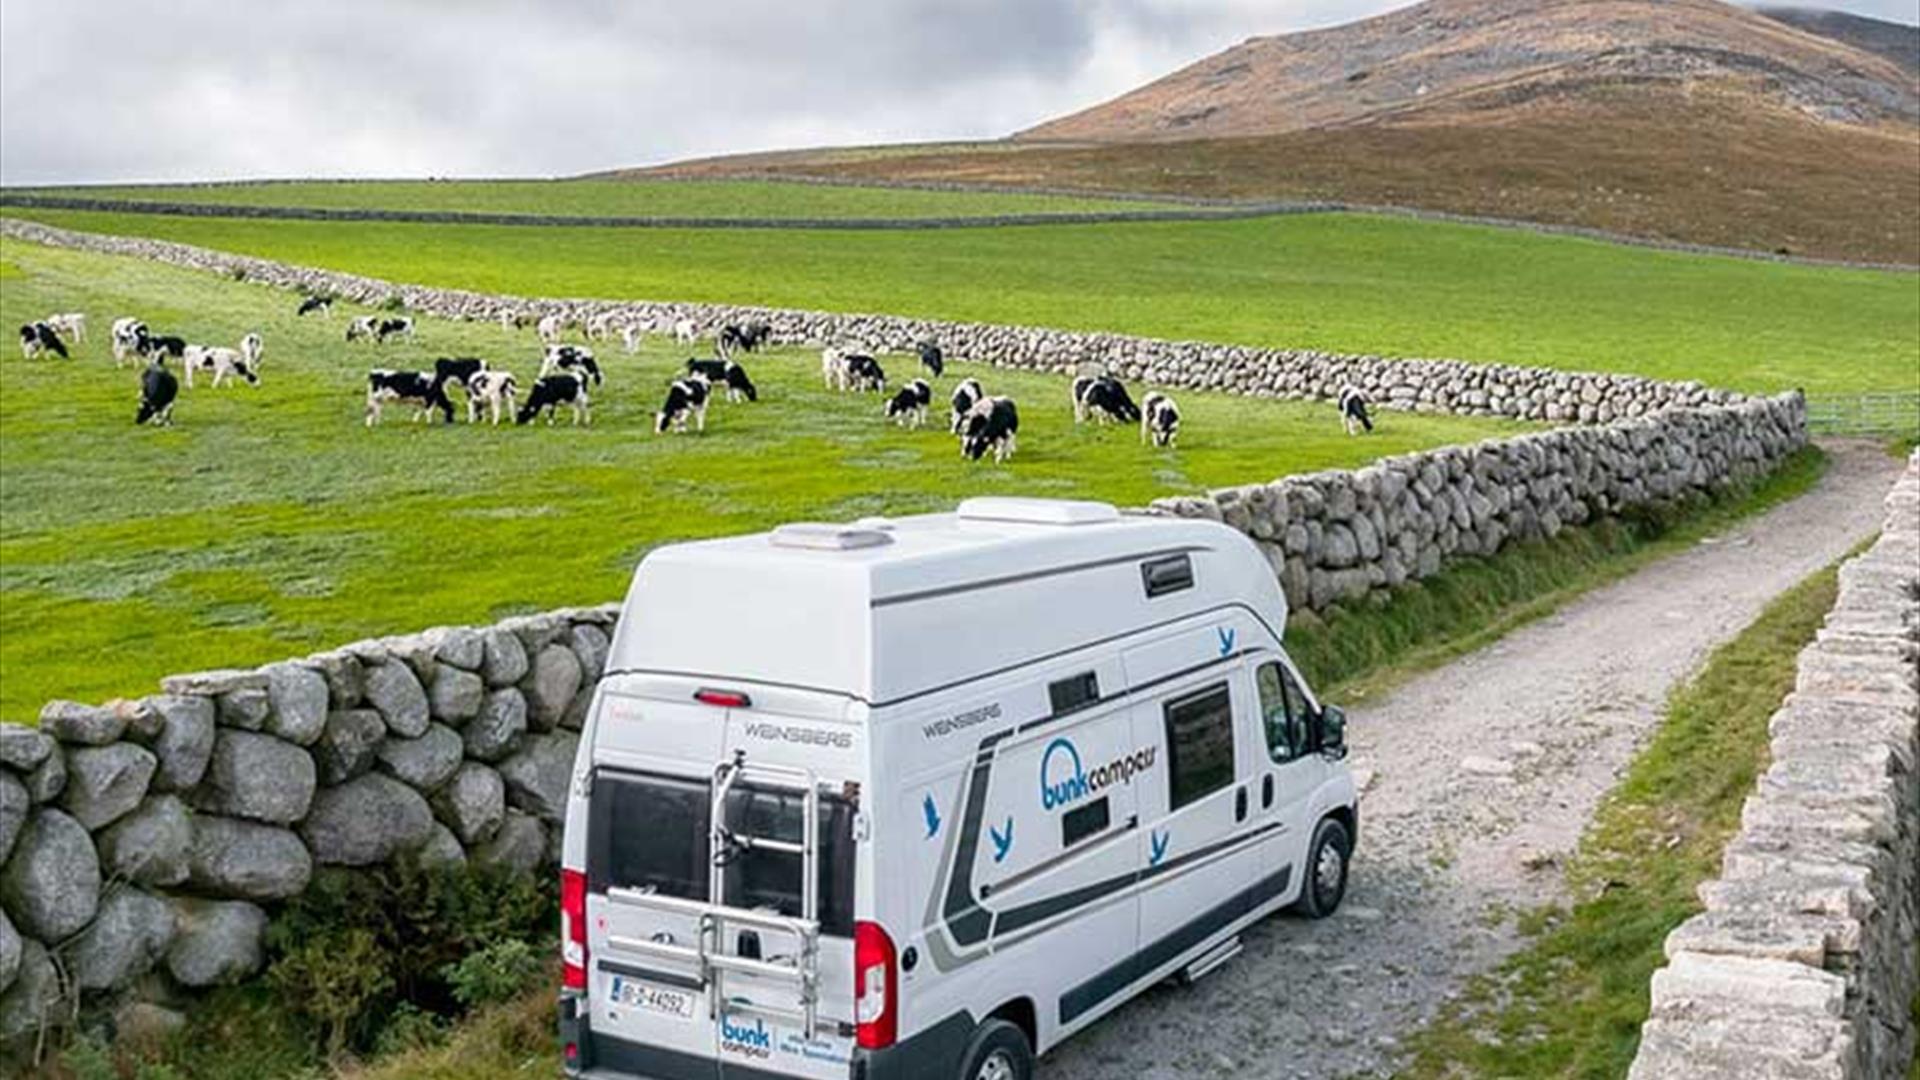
164	345
400	326
459	370
552	391
128	335
415	388
1353	409
363	327
932	358
71	325
833	368
686	399
570	359
864	373
1102	398
1159	419
994	424
742	338
38	337
727	374
908	406
312	303
965	397
158	389
494	389
222	362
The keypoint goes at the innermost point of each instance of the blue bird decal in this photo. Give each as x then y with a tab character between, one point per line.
1227	634
932	810
1160	841
1002	840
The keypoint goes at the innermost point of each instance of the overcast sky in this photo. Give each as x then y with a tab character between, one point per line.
96	90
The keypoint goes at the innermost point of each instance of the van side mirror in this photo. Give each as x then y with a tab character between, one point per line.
1333	732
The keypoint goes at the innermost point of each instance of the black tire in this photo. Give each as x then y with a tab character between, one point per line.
1326	870
1001	1041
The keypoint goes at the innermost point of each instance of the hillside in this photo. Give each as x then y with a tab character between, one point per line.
1446	55
1895	41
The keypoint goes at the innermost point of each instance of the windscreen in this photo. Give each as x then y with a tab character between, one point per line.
651	832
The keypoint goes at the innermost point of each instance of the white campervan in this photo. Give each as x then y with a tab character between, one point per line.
923	797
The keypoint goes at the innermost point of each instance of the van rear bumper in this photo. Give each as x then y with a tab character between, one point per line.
603	1057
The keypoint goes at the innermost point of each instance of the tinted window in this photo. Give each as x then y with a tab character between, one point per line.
1283	711
652	832
1199	745
1078	824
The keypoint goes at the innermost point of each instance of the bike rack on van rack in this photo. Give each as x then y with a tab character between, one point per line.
707	956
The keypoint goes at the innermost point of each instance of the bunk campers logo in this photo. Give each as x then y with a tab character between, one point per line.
751	1041
1064	781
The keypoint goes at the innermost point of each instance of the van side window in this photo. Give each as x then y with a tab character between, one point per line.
1283	711
1199	745
1089	820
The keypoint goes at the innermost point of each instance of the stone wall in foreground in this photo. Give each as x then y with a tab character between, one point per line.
143	841
1453	386
1804	962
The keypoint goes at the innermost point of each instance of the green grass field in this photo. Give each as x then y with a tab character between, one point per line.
610	198
269	522
1350	283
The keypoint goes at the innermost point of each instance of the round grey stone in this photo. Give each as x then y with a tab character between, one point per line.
393	689
346	748
87	725
257	776
473	803
497	731
506	658
185	741
34	997
245	859
456	694
299	696
520	845
150	846
106	782
590	645
23	748
539	776
246	708
51	884
10	946
14	806
425	762
441	849
45	783
131	932
458	645
216	942
550	686
366	820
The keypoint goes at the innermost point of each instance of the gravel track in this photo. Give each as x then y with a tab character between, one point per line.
1544	720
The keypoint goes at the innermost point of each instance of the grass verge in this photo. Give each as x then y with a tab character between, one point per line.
1571	1004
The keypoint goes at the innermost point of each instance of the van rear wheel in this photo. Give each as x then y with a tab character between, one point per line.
1326	882
998	1051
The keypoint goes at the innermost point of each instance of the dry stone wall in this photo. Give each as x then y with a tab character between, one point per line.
1803	964
146	839
1453	386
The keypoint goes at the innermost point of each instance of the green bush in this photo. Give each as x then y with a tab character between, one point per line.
333	979
409	1028
89	1058
499	972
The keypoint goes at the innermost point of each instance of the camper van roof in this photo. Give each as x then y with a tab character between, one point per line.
883	609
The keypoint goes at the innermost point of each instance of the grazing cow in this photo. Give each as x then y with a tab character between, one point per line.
494	389
460	371
549	328
1103	398
865	373
164	345
1159	419
552	391
398	327
833	368
414	388
965	397
1353	409
686	398
712	370
744	338
158	389
570	358
631	336
908	407
36	338
313	303
686	332
994	424
223	362
363	328
129	337
932	359
71	325
725	373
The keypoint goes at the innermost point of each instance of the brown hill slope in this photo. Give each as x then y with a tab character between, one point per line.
1895	41
1434	54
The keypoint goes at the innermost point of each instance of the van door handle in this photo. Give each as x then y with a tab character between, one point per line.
1240	805
1266	792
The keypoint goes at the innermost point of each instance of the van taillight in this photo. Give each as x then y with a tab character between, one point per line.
573	930
725	699
876	987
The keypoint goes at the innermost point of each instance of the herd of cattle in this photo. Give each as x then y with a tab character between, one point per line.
570	375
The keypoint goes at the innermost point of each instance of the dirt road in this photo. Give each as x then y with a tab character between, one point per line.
1480	770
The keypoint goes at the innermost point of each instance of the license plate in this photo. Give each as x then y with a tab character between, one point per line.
655	999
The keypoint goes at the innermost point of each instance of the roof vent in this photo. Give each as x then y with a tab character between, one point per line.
822	537
1038	511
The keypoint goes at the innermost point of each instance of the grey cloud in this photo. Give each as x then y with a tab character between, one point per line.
112	89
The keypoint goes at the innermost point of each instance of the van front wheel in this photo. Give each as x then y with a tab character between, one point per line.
1326	882
999	1051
